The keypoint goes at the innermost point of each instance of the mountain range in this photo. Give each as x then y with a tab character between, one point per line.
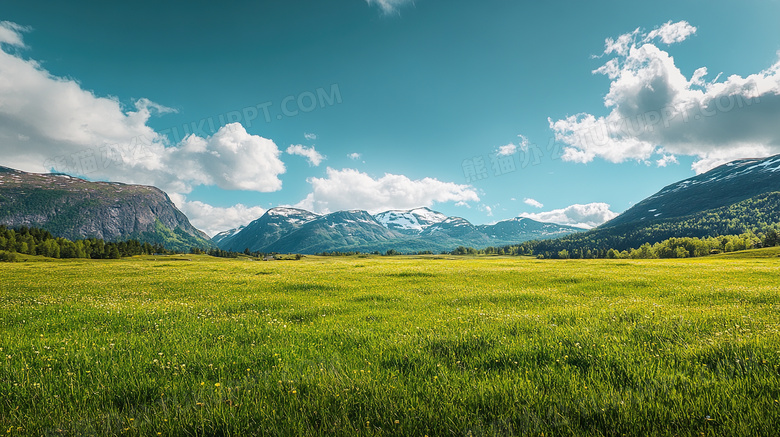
292	230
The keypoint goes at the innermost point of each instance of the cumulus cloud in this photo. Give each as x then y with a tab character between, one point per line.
655	110
533	202
231	159
314	157
351	189
582	216
212	219
354	156
389	6
49	122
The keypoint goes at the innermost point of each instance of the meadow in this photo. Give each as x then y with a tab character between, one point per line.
409	346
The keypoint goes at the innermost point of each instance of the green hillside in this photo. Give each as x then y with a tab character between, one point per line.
756	213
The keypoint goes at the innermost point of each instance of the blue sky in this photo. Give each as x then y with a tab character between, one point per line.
486	110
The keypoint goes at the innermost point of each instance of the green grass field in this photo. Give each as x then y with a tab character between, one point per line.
391	346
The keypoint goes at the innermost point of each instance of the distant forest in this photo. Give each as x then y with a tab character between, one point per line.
34	241
675	247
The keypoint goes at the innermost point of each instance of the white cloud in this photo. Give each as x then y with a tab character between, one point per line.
314	157
213	220
310	137
621	44
671	33
533	202
351	189
354	156
657	111
11	34
583	216
231	159
666	160
509	149
50	122
389	6
668	33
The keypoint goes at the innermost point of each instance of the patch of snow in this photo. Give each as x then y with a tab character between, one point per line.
234	231
416	219
426	215
229	233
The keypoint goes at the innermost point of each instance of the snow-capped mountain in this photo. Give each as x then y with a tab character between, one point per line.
266	230
412	221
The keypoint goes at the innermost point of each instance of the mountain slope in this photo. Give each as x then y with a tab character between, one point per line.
74	208
722	186
734	198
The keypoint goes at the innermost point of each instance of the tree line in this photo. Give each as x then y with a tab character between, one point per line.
34	241
675	247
